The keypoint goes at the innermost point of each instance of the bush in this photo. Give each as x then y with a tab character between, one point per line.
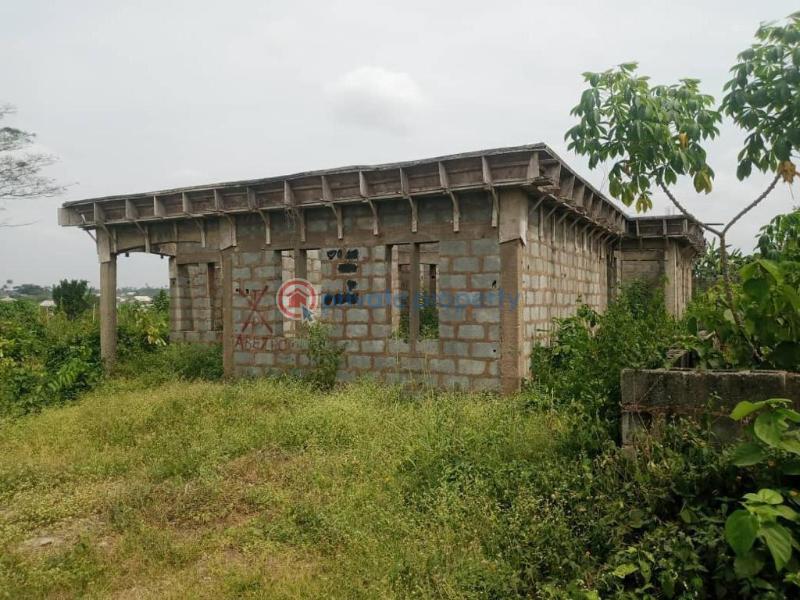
73	297
587	351
46	359
767	295
324	354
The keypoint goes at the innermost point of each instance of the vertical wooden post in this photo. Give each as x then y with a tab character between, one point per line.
413	297
108	310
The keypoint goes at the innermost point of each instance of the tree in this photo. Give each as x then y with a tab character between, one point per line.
654	134
20	168
72	297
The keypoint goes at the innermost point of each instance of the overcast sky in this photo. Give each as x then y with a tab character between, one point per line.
163	94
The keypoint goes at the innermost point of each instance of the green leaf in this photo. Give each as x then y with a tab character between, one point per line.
779	542
786	512
771	268
769	428
791	467
756	288
624	570
740	531
765	496
744	408
748	565
748	454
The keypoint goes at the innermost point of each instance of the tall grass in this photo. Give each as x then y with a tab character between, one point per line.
272	489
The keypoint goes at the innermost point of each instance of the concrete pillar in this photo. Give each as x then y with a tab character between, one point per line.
108	310
227	312
512	231
301	263
413	297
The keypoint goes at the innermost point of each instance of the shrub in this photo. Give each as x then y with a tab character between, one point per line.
588	350
768	306
73	297
324	354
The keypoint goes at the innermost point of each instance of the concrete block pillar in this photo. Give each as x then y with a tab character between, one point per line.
108	309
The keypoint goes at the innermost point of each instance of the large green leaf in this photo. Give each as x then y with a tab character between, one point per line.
779	542
756	288
747	454
748	565
744	408
741	528
771	267
766	496
769	428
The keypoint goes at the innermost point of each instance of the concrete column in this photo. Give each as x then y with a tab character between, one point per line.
512	367
512	231
413	297
301	263
227	312
108	310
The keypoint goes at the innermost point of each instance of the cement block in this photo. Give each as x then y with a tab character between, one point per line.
465	264
467	366
466	332
356	330
452	248
442	365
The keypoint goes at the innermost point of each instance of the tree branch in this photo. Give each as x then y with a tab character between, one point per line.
754	203
685	212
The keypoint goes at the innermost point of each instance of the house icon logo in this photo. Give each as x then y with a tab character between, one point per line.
297	299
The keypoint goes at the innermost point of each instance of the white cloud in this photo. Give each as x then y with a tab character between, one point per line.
376	98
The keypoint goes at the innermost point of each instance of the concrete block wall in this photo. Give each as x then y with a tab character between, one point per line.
353	286
660	262
195	302
562	269
648	395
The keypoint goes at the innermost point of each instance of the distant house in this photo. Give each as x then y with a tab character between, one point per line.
6	299
143	299
47	304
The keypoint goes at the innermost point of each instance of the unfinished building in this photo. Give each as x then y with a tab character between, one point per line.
444	270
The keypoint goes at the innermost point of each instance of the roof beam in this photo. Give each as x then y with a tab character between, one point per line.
252	202
159	210
131	213
186	203
533	167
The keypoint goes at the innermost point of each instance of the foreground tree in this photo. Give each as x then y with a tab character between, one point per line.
20	167
655	134
72	297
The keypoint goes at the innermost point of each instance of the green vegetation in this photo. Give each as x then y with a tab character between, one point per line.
49	358
270	488
324	354
279	488
582	361
767	517
73	297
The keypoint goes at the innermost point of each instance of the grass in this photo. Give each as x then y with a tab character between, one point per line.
266	489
